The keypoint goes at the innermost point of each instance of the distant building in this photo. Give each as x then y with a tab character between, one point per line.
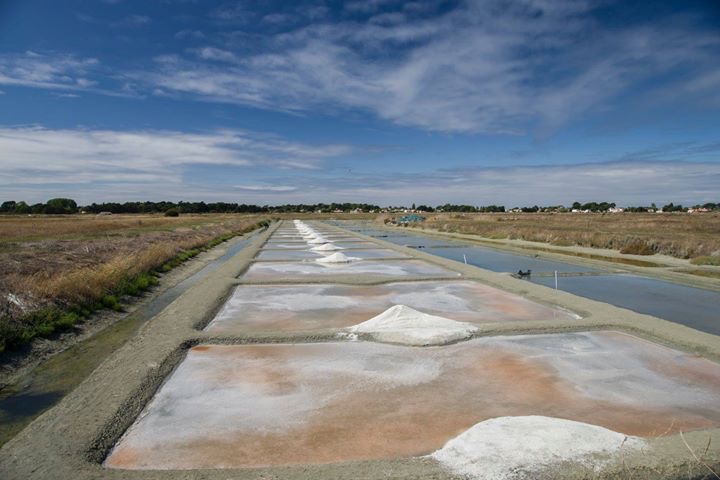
411	218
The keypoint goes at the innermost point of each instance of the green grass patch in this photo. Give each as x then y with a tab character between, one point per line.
707	260
702	273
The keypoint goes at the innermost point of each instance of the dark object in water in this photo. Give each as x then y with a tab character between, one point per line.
522	274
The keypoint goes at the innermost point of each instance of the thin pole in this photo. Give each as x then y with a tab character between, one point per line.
465	258
555	279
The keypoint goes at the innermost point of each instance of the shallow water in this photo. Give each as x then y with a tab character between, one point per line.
695	307
483	257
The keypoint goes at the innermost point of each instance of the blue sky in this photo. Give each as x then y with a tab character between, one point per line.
382	101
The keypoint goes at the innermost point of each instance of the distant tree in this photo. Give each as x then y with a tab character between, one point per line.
8	207
60	206
22	208
670	207
424	208
491	209
456	208
172	212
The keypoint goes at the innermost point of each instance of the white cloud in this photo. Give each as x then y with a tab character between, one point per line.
107	165
626	183
35	156
488	67
492	67
212	53
57	71
267	188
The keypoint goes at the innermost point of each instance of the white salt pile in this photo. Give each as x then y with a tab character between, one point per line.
405	325
326	247
338	257
508	448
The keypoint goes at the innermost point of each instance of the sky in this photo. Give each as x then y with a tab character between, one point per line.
479	102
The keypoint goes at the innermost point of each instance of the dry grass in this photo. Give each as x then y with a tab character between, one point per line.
678	235
20	229
50	265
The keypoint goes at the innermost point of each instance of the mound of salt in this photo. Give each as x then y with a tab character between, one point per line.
402	324
326	247
508	448
338	257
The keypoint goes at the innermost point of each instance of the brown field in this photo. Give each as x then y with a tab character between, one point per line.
678	235
66	262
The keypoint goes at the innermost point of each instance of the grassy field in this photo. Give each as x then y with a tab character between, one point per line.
677	235
56	270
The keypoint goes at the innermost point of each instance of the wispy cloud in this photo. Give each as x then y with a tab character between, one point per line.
267	188
55	71
624	182
103	165
492	67
212	53
489	67
35	156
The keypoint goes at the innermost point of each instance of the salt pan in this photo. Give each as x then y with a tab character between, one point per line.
318	240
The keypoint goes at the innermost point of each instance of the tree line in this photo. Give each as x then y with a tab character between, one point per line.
69	206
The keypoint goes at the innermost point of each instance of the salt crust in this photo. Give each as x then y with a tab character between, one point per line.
318	240
326	247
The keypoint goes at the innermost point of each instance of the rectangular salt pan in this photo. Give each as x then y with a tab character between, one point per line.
270	405
260	308
297	254
269	271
